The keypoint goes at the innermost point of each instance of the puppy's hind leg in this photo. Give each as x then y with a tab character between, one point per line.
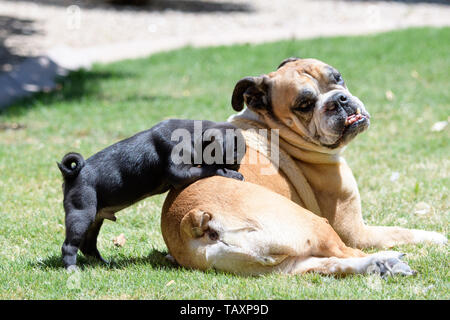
89	244
77	224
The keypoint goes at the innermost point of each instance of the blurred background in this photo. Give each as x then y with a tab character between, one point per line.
76	33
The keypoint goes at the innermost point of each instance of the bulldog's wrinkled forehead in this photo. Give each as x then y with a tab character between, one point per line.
311	72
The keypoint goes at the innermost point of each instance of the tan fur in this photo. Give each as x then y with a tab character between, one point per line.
256	217
272	230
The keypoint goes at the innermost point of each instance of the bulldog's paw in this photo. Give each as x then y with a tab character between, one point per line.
388	264
429	236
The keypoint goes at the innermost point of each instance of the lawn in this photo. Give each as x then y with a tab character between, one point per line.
402	77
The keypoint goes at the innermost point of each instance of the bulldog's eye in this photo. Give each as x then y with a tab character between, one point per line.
305	106
338	78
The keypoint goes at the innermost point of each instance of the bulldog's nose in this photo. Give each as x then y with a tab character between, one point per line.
341	99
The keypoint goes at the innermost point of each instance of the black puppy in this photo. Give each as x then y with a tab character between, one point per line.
138	167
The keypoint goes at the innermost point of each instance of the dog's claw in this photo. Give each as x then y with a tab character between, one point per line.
228	173
239	176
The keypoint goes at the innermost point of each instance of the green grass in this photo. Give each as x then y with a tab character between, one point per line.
98	107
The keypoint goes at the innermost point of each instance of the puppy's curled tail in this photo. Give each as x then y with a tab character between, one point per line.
71	165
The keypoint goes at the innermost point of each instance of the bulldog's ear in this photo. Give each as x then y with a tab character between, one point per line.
287	60
253	91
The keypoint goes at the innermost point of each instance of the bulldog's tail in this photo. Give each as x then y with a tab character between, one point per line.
71	165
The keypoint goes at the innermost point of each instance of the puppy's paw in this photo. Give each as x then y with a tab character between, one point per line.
233	174
239	176
170	258
72	269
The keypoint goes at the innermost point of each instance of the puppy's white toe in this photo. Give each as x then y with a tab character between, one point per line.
71	269
170	258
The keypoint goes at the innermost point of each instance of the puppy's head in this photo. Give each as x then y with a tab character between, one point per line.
308	96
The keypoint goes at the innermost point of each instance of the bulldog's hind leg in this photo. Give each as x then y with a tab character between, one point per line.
243	247
386	263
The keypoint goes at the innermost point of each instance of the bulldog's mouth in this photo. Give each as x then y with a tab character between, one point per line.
355	118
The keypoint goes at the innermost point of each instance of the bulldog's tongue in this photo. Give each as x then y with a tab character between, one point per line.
353	118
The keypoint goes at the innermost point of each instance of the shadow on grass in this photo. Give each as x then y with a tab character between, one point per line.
77	86
9	27
446	2
188	6
156	259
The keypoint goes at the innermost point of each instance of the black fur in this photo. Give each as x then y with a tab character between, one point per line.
68	171
254	92
126	172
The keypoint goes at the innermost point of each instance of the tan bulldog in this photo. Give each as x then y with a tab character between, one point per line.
245	228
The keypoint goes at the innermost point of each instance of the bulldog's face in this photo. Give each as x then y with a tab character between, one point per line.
308	96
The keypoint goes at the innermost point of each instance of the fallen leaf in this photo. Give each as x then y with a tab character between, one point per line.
389	95
11	126
422	208
439	126
120	240
170	283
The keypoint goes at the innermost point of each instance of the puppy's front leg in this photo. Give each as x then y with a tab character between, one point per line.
229	173
181	177
89	244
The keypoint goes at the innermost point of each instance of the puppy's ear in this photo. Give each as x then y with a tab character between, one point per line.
287	60
253	91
